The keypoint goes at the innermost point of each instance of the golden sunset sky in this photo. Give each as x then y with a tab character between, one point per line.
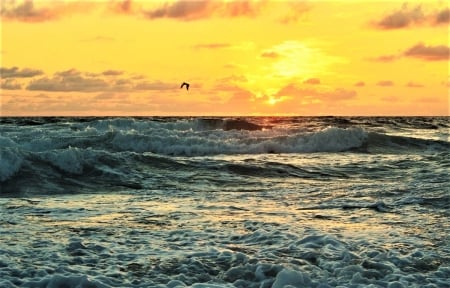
240	57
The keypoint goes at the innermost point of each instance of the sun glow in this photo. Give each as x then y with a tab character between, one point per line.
241	57
282	64
272	101
296	59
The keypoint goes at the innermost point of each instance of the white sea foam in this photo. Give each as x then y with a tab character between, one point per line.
291	278
91	241
191	143
122	203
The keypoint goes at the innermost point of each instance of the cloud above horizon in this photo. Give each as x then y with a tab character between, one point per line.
428	53
412	84
419	51
296	11
323	95
70	80
385	58
27	11
312	81
270	54
385	83
32	11
73	80
10	84
212	46
15	72
406	17
195	10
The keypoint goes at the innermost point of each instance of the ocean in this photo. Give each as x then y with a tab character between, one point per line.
224	202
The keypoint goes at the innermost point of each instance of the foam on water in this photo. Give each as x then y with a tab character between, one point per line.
237	142
157	241
224	202
71	146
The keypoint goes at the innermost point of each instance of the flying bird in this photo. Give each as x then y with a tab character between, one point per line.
185	84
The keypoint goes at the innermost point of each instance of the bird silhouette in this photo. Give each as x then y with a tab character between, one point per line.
185	84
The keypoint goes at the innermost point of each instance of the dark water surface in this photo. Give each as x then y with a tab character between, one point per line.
224	202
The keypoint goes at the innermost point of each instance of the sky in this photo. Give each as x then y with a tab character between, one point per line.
246	57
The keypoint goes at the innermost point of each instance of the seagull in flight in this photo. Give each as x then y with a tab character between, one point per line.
185	84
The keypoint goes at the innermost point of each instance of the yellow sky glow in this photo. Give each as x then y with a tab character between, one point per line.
129	57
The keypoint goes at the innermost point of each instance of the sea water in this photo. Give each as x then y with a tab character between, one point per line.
225	202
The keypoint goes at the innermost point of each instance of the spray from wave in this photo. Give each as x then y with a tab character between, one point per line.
109	147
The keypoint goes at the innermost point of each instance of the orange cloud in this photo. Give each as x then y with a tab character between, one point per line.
429	53
123	7
402	18
420	51
406	17
296	10
270	54
10	84
194	10
15	72
110	96
157	85
385	83
112	73
212	46
76	81
65	83
414	85
390	98
312	81
294	91
442	17
385	58
27	11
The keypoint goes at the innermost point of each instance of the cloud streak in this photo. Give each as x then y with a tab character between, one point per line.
15	72
442	17
406	17
429	53
157	85
385	83
295	91
112	73
312	81
419	51
66	81
270	54
296	10
10	84
28	11
385	58
414	85
107	81
122	7
401	18
195	10
212	46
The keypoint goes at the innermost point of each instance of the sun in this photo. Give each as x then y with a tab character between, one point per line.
283	64
272	100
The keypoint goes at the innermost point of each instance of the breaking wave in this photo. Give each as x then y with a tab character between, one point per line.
100	146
